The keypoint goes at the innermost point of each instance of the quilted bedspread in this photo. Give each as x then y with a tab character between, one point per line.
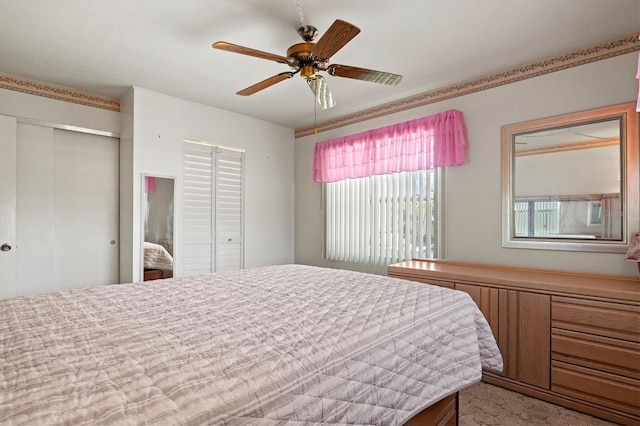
278	345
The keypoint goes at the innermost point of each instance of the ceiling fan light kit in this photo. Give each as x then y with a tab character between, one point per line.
310	58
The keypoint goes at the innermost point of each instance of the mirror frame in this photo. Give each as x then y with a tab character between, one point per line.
629	175
143	208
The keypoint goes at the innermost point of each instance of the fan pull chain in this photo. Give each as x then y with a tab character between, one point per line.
315	117
300	13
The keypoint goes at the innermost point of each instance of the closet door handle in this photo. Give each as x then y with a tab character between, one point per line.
5	247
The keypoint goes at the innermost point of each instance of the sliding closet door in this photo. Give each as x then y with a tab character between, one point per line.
213	209
35	253
86	209
67	210
8	128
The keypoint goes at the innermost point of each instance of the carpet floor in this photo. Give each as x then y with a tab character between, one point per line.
487	405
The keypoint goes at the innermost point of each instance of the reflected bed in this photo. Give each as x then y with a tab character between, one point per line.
287	344
157	257
158	261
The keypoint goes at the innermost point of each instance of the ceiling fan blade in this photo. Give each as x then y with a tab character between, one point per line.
321	91
265	83
334	39
364	74
230	47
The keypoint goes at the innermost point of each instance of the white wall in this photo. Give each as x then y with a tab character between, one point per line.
161	123
473	191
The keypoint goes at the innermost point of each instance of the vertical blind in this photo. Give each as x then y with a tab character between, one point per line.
381	219
213	208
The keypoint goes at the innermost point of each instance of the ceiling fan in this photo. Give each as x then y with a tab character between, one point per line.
310	58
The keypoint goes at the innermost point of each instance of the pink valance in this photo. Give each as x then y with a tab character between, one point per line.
434	141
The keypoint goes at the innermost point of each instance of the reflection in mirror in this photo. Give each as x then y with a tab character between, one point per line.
568	179
564	177
157	208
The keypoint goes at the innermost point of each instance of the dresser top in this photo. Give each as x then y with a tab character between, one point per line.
538	280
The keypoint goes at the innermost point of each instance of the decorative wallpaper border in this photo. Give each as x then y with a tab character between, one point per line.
60	93
597	52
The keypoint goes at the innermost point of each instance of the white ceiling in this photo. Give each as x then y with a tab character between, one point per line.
105	46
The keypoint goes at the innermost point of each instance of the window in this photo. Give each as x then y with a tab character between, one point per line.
381	188
594	213
382	219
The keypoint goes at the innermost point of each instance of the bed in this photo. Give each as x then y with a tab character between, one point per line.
287	344
157	261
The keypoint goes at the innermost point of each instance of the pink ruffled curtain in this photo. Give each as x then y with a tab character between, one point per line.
435	141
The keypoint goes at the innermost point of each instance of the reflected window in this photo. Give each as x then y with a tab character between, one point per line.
537	218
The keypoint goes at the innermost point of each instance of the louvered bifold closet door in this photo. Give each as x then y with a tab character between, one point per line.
229	205
213	209
198	253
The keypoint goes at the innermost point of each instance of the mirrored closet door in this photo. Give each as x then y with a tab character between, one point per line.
157	228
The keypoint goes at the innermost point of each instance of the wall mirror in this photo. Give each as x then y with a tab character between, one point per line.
157	227
570	182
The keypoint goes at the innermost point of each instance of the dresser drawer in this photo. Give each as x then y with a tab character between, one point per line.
612	355
606	319
609	390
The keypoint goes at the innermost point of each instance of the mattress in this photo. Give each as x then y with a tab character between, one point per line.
278	345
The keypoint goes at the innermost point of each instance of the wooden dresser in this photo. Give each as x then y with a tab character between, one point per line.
567	338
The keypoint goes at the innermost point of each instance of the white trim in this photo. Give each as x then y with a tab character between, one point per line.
231	148
23	120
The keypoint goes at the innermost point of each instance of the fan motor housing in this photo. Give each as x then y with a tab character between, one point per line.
302	59
301	51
